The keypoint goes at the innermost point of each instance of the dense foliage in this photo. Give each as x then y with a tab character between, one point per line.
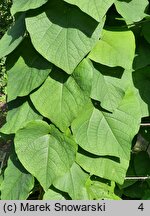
78	98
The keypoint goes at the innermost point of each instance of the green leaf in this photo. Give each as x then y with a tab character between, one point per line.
18	118
108	90
45	155
115	48
103	133
17	182
61	35
95	8
25	5
30	71
13	36
73	182
99	191
52	195
141	164
141	79
142	57
146	31
132	11
60	99
84	69
104	167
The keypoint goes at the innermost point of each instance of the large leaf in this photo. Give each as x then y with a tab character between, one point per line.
141	79
132	11
73	182
104	167
13	36
18	118
25	5
46	156
60	99
103	133
63	34
115	48
95	8
17	182
29	72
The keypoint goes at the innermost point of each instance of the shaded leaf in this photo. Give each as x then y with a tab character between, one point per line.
146	31
13	36
95	8
18	118
46	156
61	35
141	79
30	71
17	182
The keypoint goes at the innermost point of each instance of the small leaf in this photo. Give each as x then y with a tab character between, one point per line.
25	5
60	99
95	8
115	48
61	35
132	11
18	118
17	182
13	36
30	71
46	155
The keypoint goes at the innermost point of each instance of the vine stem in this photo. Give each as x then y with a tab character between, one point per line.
145	124
137	178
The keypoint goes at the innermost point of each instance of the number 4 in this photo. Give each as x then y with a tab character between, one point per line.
141	207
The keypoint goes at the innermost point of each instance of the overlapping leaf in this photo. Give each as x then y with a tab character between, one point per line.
46	156
29	72
109	90
95	8
17	182
13	37
132	11
115	48
141	79
18	117
74	183
25	5
103	133
104	167
61	35
60	99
